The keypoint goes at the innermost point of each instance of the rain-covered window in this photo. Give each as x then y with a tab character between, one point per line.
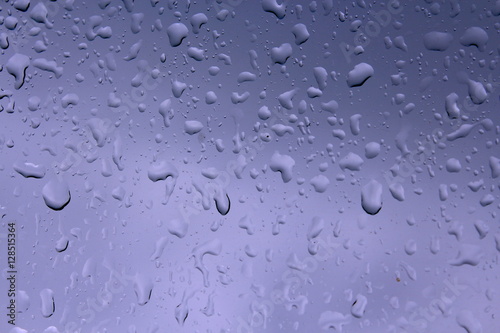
249	166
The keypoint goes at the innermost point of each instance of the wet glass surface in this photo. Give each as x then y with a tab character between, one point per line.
250	166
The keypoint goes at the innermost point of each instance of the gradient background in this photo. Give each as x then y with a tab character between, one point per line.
258	282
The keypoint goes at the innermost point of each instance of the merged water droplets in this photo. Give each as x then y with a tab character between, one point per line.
283	164
143	287
176	33
166	171
437	41
371	197
28	169
359	74
16	66
48	305
56	194
213	247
